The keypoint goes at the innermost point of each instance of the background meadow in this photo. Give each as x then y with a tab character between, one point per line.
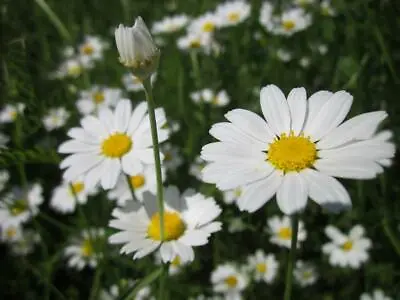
352	46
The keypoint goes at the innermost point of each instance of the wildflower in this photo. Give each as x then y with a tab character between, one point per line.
264	267
281	231
3	141
196	167
377	294
110	143
233	13
208	96
170	24
172	158
349	250
26	244
205	24
133	83
10	232
91	49
71	68
283	55
231	196
198	41
188	222
55	118
296	153
327	9
4	177
229	281
10	112
92	100
305	273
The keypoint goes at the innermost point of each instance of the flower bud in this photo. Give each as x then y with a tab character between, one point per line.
137	49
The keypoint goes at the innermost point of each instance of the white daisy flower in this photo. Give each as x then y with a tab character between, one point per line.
170	24
71	68
208	96
172	158
142	182
68	51
196	167
133	83
20	206
63	196
281	231
305	273
55	118
292	20
96	98
322	49
231	196
10	112
327	8
92	48
176	265
347	250
384	136
197	41
296	152
263	267
228	280
85	250
206	23
377	294
10	232
283	55
233	13
26	244
304	62
188	222
4	177
110	143
3	140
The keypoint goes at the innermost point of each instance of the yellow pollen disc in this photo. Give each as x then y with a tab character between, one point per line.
13	114
176	262
231	281
307	274
288	25
136	80
347	246
11	232
74	70
87	49
215	100
116	145
195	44
137	181
233	16
167	156
285	233
77	187
292	153
98	97
18	207
174	227
261	268
208	27
86	248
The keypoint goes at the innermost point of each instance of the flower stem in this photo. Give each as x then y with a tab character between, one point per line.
161	290
292	258
131	188
390	235
160	200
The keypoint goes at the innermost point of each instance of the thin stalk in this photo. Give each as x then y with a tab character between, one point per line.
55	222
292	258
163	277
131	188
196	68
96	283
151	107
390	235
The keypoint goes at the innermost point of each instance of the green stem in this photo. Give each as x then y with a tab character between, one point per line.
196	69
292	258
156	151
96	282
161	291
131	188
390	235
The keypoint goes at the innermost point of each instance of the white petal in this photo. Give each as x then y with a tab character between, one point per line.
275	109
315	103
106	117
110	177
357	232
94	127
131	164
73	146
194	237
137	117
292	194
228	152
335	234
123	113
167	252
83	136
147	250
297	101
81	165
349	168
185	252
94	175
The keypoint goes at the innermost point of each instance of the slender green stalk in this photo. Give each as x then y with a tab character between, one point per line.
156	151
163	278
292	258
390	235
130	295
54	19
131	188
196	68
96	283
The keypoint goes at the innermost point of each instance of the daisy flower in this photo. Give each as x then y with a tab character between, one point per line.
283	55
63	197
349	250
96	98
196	167
197	41
296	152
110	143
55	118
206	23
377	294
305	273
170	24
188	222
10	232
233	13
85	250
231	196
3	140
281	231
10	112
263	267
71	68
92	49
327	9
228	280
26	244
172	158
175	266
142	182
133	83
20	206
4	177
208	96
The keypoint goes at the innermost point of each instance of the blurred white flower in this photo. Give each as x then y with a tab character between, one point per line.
327	8
305	273
347	250
170	24
209	96
283	55
72	68
92	100
198	41
281	231
91	49
305	62
114	142
133	83
55	118
10	112
322	49
4	177
231	196
196	167
206	23
263	267
68	52
3	140
26	243
10	232
172	158
188	222
229	281
233	13
377	294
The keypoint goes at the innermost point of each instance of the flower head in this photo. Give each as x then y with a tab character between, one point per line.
92	100
281	231
305	273
377	294
233	13
228	280
10	112
55	118
263	267
170	24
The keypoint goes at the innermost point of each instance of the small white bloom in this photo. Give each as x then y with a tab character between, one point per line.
71	68
347	250
304	62
3	140
233	13
170	24
188	222
229	281
231	196
91	49
172	158
4	176
92	100
176	265
110	143
208	96
85	250
305	273
377	294
206	23
133	83
263	267
196	167
10	112
327	9
10	232
198	41
283	55
281	231
68	52
322	49
55	118
26	243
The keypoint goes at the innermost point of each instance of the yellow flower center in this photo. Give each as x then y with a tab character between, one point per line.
174	227
98	97
261	267
288	25
195	44
208	26
231	281
292	153
74	70
136	80
137	181
13	114
285	233
18	207
87	49
176	262
77	187
347	246
11	232
233	16
116	145
86	248
307	274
